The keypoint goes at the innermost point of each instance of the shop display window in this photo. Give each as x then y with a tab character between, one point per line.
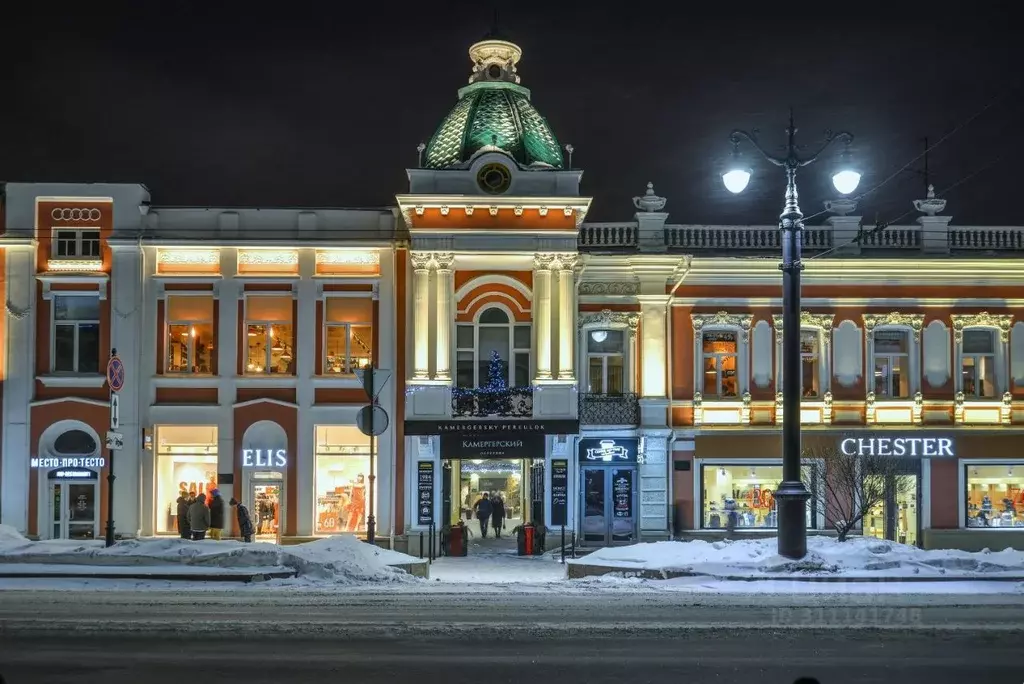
186	460
995	495
348	334
747	490
190	334
342	479
270	336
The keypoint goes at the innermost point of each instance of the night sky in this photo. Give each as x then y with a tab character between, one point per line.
320	104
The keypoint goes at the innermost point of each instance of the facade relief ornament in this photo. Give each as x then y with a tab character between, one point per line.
1001	322
807	320
609	288
16	312
607	317
420	260
442	261
444	210
543	211
723	319
517	210
469	209
566	261
543	262
493	211
913	321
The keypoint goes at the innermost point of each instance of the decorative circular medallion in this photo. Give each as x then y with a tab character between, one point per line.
494	178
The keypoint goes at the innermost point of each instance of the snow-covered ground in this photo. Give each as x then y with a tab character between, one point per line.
853	559
340	560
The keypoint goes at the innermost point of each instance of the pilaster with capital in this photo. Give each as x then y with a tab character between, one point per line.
443	298
542	264
566	264
421	314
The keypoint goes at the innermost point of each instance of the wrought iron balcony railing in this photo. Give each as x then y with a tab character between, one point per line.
610	409
512	402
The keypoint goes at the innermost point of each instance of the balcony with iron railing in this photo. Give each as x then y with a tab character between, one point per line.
610	409
492	402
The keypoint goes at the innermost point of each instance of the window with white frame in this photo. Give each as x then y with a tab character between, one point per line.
606	362
978	363
720	350
76	244
348	334
476	344
891	363
76	334
190	334
810	363
270	334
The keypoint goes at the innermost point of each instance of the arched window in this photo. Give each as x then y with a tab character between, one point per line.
75	443
476	345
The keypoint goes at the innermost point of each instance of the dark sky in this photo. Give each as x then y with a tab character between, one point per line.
322	104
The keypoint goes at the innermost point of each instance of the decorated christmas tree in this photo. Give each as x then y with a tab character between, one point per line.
497	377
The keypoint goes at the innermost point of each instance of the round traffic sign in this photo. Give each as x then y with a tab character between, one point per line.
115	374
380	420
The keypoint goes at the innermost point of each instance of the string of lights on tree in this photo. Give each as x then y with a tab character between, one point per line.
497	388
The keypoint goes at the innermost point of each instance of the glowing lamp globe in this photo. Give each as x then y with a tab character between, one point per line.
846	181
736	180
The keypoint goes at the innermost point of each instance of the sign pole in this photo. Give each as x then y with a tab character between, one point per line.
371	520
115	380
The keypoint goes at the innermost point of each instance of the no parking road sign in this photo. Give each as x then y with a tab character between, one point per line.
115	372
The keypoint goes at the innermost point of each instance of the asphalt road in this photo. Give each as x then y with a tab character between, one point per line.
442	638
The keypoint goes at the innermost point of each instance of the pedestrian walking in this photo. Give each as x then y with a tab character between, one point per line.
199	518
244	520
483	513
497	514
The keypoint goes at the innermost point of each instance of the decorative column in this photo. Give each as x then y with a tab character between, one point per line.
542	312
566	309
421	314
443	283
654	342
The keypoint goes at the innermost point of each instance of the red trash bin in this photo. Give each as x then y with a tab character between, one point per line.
457	540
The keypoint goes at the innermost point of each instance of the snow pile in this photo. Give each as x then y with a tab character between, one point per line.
859	556
339	560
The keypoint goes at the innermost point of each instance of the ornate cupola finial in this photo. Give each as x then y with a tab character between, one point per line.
494	59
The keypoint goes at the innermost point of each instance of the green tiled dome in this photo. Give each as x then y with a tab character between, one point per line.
494	113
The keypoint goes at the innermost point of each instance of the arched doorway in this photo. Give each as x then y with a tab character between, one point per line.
264	477
69	456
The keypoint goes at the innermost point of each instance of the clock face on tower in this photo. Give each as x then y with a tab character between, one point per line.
494	178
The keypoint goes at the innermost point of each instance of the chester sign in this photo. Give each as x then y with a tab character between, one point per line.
897	446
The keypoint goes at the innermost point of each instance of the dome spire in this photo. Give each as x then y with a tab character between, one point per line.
494	58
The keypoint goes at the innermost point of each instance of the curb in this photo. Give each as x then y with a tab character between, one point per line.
212	577
580	571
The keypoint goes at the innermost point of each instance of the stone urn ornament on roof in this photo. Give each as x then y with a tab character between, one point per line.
649	202
932	205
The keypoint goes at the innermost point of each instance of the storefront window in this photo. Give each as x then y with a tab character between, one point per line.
342	478
190	334
270	336
348	334
995	495
749	490
186	461
720	351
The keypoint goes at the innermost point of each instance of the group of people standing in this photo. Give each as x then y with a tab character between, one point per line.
196	517
490	509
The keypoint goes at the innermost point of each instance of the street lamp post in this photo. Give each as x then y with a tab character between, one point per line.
792	494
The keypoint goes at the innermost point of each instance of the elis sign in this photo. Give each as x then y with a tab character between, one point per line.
264	458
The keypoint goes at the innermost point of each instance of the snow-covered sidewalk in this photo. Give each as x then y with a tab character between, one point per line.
341	560
827	559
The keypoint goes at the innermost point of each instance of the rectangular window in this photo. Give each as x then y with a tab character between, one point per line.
342	478
720	351
475	345
77	244
606	353
891	364
465	358
995	495
978	364
746	491
348	334
810	363
76	334
270	335
190	334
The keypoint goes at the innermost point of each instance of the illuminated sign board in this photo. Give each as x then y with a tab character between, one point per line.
70	462
607	450
921	447
264	458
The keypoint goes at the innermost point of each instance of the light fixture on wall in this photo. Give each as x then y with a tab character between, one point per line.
599	336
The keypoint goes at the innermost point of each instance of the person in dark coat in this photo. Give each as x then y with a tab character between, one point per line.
244	520
184	531
483	512
199	518
497	514
216	515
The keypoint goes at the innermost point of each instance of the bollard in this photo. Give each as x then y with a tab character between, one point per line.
563	544
430	541
421	543
574	544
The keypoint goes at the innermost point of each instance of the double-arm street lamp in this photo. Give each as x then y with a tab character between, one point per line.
792	494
